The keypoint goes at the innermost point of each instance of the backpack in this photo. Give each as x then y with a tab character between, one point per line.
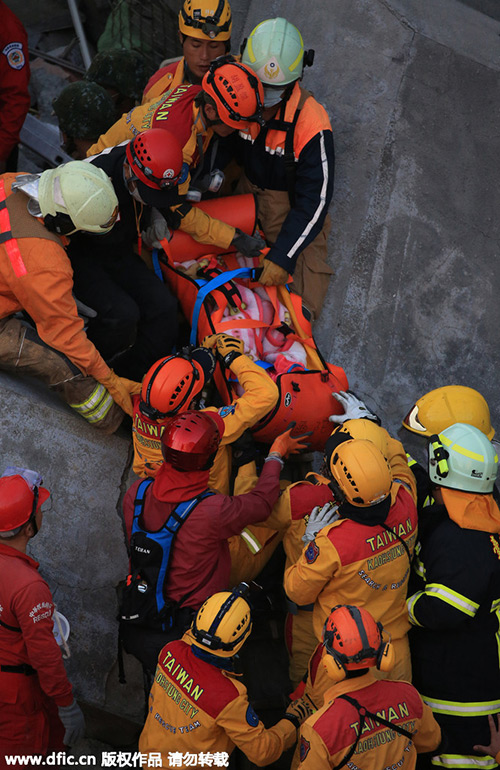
143	601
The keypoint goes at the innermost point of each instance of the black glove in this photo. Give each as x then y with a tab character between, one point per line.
248	245
298	711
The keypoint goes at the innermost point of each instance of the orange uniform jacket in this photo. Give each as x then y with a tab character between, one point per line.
258	399
41	283
165	79
351	563
327	736
176	112
195	706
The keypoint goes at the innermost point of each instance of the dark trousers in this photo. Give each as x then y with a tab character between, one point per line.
136	321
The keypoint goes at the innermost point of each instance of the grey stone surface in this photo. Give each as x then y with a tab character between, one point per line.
81	546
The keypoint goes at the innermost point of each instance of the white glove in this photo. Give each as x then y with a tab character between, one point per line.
73	722
156	232
319	518
354	408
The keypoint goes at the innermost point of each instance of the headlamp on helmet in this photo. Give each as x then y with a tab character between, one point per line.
223	623
212	23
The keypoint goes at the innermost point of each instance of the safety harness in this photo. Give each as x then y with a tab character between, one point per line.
363	713
143	601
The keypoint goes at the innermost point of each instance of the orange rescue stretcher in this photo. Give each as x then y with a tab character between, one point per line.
211	289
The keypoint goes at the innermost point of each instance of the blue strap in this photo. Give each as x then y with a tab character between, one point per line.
156	265
172	525
264	364
139	498
242	272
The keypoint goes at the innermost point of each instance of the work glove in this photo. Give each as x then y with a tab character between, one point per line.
157	231
354	408
73	722
228	348
273	274
319	518
248	245
120	390
298	711
285	444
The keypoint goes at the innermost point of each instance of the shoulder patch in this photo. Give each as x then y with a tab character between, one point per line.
251	717
304	748
15	55
312	552
224	411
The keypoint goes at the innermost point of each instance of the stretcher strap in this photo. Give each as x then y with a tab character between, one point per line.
156	265
219	280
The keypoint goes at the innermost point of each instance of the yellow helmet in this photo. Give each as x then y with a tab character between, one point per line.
206	23
223	623
360	470
366	429
445	406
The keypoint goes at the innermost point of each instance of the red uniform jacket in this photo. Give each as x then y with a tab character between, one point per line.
200	562
14	78
26	603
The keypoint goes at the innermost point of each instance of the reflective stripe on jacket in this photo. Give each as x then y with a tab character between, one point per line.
36	276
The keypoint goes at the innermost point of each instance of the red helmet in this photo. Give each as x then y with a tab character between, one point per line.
237	92
190	441
353	638
18	502
155	156
172	382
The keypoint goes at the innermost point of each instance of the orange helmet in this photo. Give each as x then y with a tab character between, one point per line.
172	382
359	469
353	641
237	92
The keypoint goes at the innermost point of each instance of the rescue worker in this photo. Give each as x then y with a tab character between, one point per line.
364	722
123	73
199	561
292	512
204	34
136	319
454	604
365	554
84	111
290	165
37	212
175	383
35	693
15	98
194	115
198	705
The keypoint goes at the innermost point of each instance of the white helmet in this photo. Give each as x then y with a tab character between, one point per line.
461	457
81	192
